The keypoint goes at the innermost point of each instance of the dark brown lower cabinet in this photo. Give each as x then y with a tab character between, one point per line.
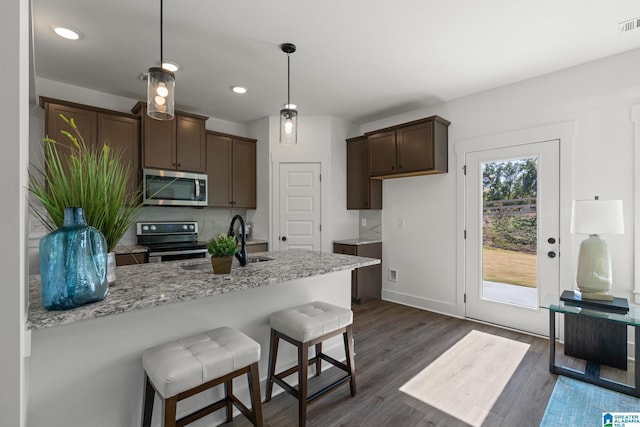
132	258
366	282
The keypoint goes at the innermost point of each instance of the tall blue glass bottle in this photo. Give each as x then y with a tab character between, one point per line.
73	264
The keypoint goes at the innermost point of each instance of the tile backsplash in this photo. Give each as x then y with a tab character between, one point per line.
373	228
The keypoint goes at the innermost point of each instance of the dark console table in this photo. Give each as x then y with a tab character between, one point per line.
595	316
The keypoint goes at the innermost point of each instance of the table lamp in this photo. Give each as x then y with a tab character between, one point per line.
595	217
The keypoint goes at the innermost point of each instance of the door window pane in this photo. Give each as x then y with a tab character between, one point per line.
509	231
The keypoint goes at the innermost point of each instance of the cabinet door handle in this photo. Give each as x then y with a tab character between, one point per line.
393	167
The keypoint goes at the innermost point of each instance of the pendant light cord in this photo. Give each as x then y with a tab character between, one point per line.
288	81
161	60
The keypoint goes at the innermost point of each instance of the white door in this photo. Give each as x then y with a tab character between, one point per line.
299	206
512	217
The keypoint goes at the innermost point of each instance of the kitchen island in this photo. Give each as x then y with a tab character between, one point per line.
85	364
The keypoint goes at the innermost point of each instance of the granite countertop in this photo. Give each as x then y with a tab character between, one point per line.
143	286
357	241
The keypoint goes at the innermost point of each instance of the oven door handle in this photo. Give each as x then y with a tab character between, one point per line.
189	251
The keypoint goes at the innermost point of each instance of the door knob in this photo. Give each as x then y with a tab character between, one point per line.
284	238
551	254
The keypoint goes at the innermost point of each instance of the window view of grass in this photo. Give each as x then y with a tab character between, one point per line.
511	267
509	217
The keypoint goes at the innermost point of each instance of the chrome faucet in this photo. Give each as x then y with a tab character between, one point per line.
242	253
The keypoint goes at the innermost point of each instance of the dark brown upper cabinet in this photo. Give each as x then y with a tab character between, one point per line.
120	131
123	134
362	191
85	119
231	169
178	144
415	148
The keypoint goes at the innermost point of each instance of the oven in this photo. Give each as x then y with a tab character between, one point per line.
171	240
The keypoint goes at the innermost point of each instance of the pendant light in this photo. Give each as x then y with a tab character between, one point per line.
288	116
160	88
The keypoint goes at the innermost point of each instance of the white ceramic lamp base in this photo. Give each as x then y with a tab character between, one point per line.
594	269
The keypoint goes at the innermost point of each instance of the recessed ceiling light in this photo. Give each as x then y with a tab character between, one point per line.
239	89
170	66
290	106
66	33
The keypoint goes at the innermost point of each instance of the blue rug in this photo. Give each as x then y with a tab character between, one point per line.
576	403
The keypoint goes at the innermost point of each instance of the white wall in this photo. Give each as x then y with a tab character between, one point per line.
596	96
14	122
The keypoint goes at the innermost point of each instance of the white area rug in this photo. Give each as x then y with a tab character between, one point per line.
466	380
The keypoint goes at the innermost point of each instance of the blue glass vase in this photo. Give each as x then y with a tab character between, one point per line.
73	264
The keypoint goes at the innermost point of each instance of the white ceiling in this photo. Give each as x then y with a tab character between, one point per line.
358	59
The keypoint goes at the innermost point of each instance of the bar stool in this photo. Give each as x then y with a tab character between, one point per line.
304	326
182	368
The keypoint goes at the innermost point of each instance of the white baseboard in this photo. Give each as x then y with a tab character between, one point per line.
436	306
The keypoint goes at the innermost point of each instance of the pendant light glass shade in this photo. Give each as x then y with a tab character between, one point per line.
288	126
288	116
160	92
161	85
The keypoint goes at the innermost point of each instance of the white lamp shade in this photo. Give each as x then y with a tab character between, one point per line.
597	217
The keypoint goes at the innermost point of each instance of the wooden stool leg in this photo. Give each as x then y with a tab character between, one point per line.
254	392
318	360
303	369
351	364
147	401
169	411
228	392
273	353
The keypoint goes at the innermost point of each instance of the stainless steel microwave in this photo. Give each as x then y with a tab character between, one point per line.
173	188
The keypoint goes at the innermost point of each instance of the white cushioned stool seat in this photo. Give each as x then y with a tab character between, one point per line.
182	368
189	362
309	321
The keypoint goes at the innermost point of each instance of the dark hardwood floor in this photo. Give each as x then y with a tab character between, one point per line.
393	343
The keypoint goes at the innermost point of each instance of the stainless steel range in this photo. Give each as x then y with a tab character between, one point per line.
171	240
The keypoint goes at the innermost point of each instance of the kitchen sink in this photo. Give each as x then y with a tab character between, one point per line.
207	265
201	266
258	258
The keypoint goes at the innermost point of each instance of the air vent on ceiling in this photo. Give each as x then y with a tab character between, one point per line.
631	24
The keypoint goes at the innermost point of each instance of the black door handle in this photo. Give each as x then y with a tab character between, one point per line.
551	254
284	238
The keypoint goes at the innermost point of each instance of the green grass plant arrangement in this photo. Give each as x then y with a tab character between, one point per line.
222	246
95	178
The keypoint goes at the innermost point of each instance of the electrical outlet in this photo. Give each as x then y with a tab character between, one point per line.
363	222
393	275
